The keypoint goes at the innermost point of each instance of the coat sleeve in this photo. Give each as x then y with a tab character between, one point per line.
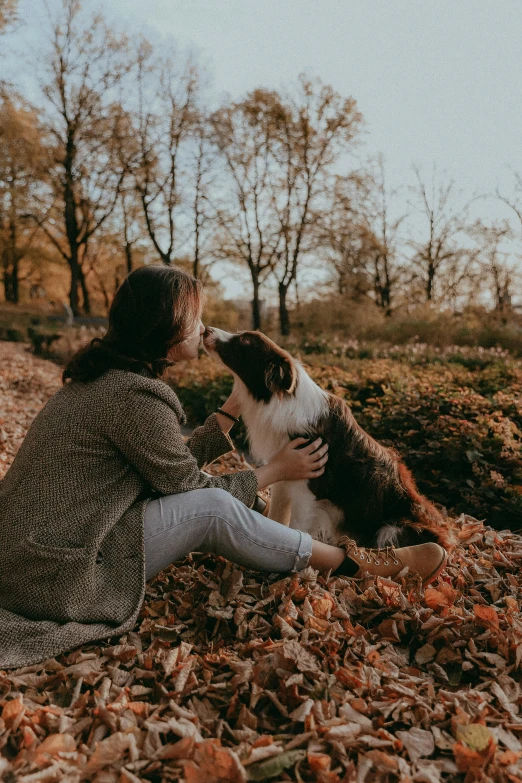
146	430
209	442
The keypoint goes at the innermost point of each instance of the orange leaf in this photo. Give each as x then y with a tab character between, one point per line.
265	739
467	759
509	757
216	762
438	598
319	762
11	711
28	737
317	624
347	678
139	708
486	616
322	607
52	746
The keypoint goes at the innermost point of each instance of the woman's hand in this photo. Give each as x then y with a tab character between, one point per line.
293	463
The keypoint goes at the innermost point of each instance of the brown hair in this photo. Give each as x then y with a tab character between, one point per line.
154	308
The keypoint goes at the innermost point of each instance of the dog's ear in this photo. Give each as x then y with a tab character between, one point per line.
280	375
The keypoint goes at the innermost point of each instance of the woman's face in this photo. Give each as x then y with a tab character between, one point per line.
188	349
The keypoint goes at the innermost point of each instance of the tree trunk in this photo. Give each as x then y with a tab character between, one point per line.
8	277
128	243
195	266
284	316
256	308
429	282
85	292
10	261
73	291
71	222
128	256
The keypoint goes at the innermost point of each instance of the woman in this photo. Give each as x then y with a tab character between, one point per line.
104	493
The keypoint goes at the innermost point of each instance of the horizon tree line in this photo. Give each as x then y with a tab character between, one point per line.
124	161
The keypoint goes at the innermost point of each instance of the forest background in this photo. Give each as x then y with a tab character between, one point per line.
124	157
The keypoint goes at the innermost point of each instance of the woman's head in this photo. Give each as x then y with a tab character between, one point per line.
153	320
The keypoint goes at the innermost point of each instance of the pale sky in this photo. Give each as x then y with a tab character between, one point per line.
437	81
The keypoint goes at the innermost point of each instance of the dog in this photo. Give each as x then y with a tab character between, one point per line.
365	492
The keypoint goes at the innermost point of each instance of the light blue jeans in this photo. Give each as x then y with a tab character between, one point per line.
212	520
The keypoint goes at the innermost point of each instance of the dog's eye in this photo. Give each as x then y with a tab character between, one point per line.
245	339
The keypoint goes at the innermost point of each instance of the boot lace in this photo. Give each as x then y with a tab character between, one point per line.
370	555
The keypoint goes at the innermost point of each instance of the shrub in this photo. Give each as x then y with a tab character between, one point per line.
457	423
42	340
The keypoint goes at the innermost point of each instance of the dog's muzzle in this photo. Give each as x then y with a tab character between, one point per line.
212	336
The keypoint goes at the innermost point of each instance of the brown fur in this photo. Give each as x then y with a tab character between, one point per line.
366	480
372	486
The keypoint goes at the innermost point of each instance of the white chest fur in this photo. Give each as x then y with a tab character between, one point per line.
294	504
268	425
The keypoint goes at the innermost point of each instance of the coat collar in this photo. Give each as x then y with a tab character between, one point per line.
146	372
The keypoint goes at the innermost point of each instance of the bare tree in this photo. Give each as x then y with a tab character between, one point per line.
8	13
440	258
203	212
248	231
385	227
105	265
344	242
280	152
495	261
167	115
86	64
313	128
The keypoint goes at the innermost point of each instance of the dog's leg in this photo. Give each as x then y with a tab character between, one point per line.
280	503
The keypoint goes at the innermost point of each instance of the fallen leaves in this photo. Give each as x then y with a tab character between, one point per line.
476	747
231	675
486	616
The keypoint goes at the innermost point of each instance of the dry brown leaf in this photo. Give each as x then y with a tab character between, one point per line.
486	616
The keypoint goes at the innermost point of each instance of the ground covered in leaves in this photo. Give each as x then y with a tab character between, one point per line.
233	676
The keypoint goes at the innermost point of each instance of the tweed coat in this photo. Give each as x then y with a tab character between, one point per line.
72	567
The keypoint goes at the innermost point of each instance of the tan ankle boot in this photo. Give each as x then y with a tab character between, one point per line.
427	559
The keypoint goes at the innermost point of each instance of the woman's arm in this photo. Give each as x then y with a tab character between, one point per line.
211	440
145	429
232	406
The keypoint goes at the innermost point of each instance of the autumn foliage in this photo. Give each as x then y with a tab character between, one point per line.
233	676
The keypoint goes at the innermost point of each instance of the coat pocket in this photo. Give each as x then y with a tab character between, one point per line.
49	552
49	583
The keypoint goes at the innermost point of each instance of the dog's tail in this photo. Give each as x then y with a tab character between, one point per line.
404	532
424	523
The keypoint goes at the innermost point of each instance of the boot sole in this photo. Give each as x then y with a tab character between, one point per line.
434	574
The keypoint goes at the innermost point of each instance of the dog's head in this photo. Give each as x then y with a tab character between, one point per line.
264	368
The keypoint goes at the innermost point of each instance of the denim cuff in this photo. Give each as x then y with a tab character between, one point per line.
304	551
